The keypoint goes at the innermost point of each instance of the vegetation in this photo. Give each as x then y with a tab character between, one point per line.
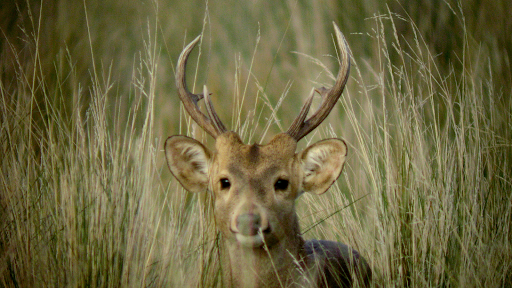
87	100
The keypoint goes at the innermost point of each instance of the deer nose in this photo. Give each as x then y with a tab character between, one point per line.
249	224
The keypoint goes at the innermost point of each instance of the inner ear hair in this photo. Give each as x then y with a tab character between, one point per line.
188	161
322	164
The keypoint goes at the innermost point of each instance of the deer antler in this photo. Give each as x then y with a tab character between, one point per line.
301	127
210	123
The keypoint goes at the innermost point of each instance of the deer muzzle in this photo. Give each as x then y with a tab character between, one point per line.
250	226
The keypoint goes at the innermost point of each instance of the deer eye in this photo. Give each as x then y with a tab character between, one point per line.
281	184
224	183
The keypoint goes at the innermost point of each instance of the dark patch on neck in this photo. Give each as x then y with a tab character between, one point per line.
254	153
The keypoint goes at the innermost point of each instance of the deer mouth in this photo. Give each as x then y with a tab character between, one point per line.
263	238
250	241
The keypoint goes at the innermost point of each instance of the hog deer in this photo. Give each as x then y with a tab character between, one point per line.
255	188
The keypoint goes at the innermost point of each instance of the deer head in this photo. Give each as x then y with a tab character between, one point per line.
255	186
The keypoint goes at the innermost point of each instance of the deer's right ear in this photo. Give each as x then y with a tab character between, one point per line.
322	163
188	161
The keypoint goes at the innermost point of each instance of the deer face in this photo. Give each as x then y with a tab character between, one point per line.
255	186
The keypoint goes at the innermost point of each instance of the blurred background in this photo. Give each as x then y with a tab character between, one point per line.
108	37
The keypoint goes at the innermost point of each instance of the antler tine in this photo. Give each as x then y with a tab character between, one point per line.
212	124
299	121
301	128
211	112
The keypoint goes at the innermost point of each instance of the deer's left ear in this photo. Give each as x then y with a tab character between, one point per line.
188	161
321	164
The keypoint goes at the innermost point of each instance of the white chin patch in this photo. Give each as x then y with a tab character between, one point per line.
250	241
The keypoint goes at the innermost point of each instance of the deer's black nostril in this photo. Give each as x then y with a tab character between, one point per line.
248	224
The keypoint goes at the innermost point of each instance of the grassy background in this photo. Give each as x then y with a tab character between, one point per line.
87	99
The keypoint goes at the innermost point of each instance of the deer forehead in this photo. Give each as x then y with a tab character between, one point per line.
254	161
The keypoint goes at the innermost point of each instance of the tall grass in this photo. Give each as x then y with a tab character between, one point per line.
431	160
86	199
82	202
